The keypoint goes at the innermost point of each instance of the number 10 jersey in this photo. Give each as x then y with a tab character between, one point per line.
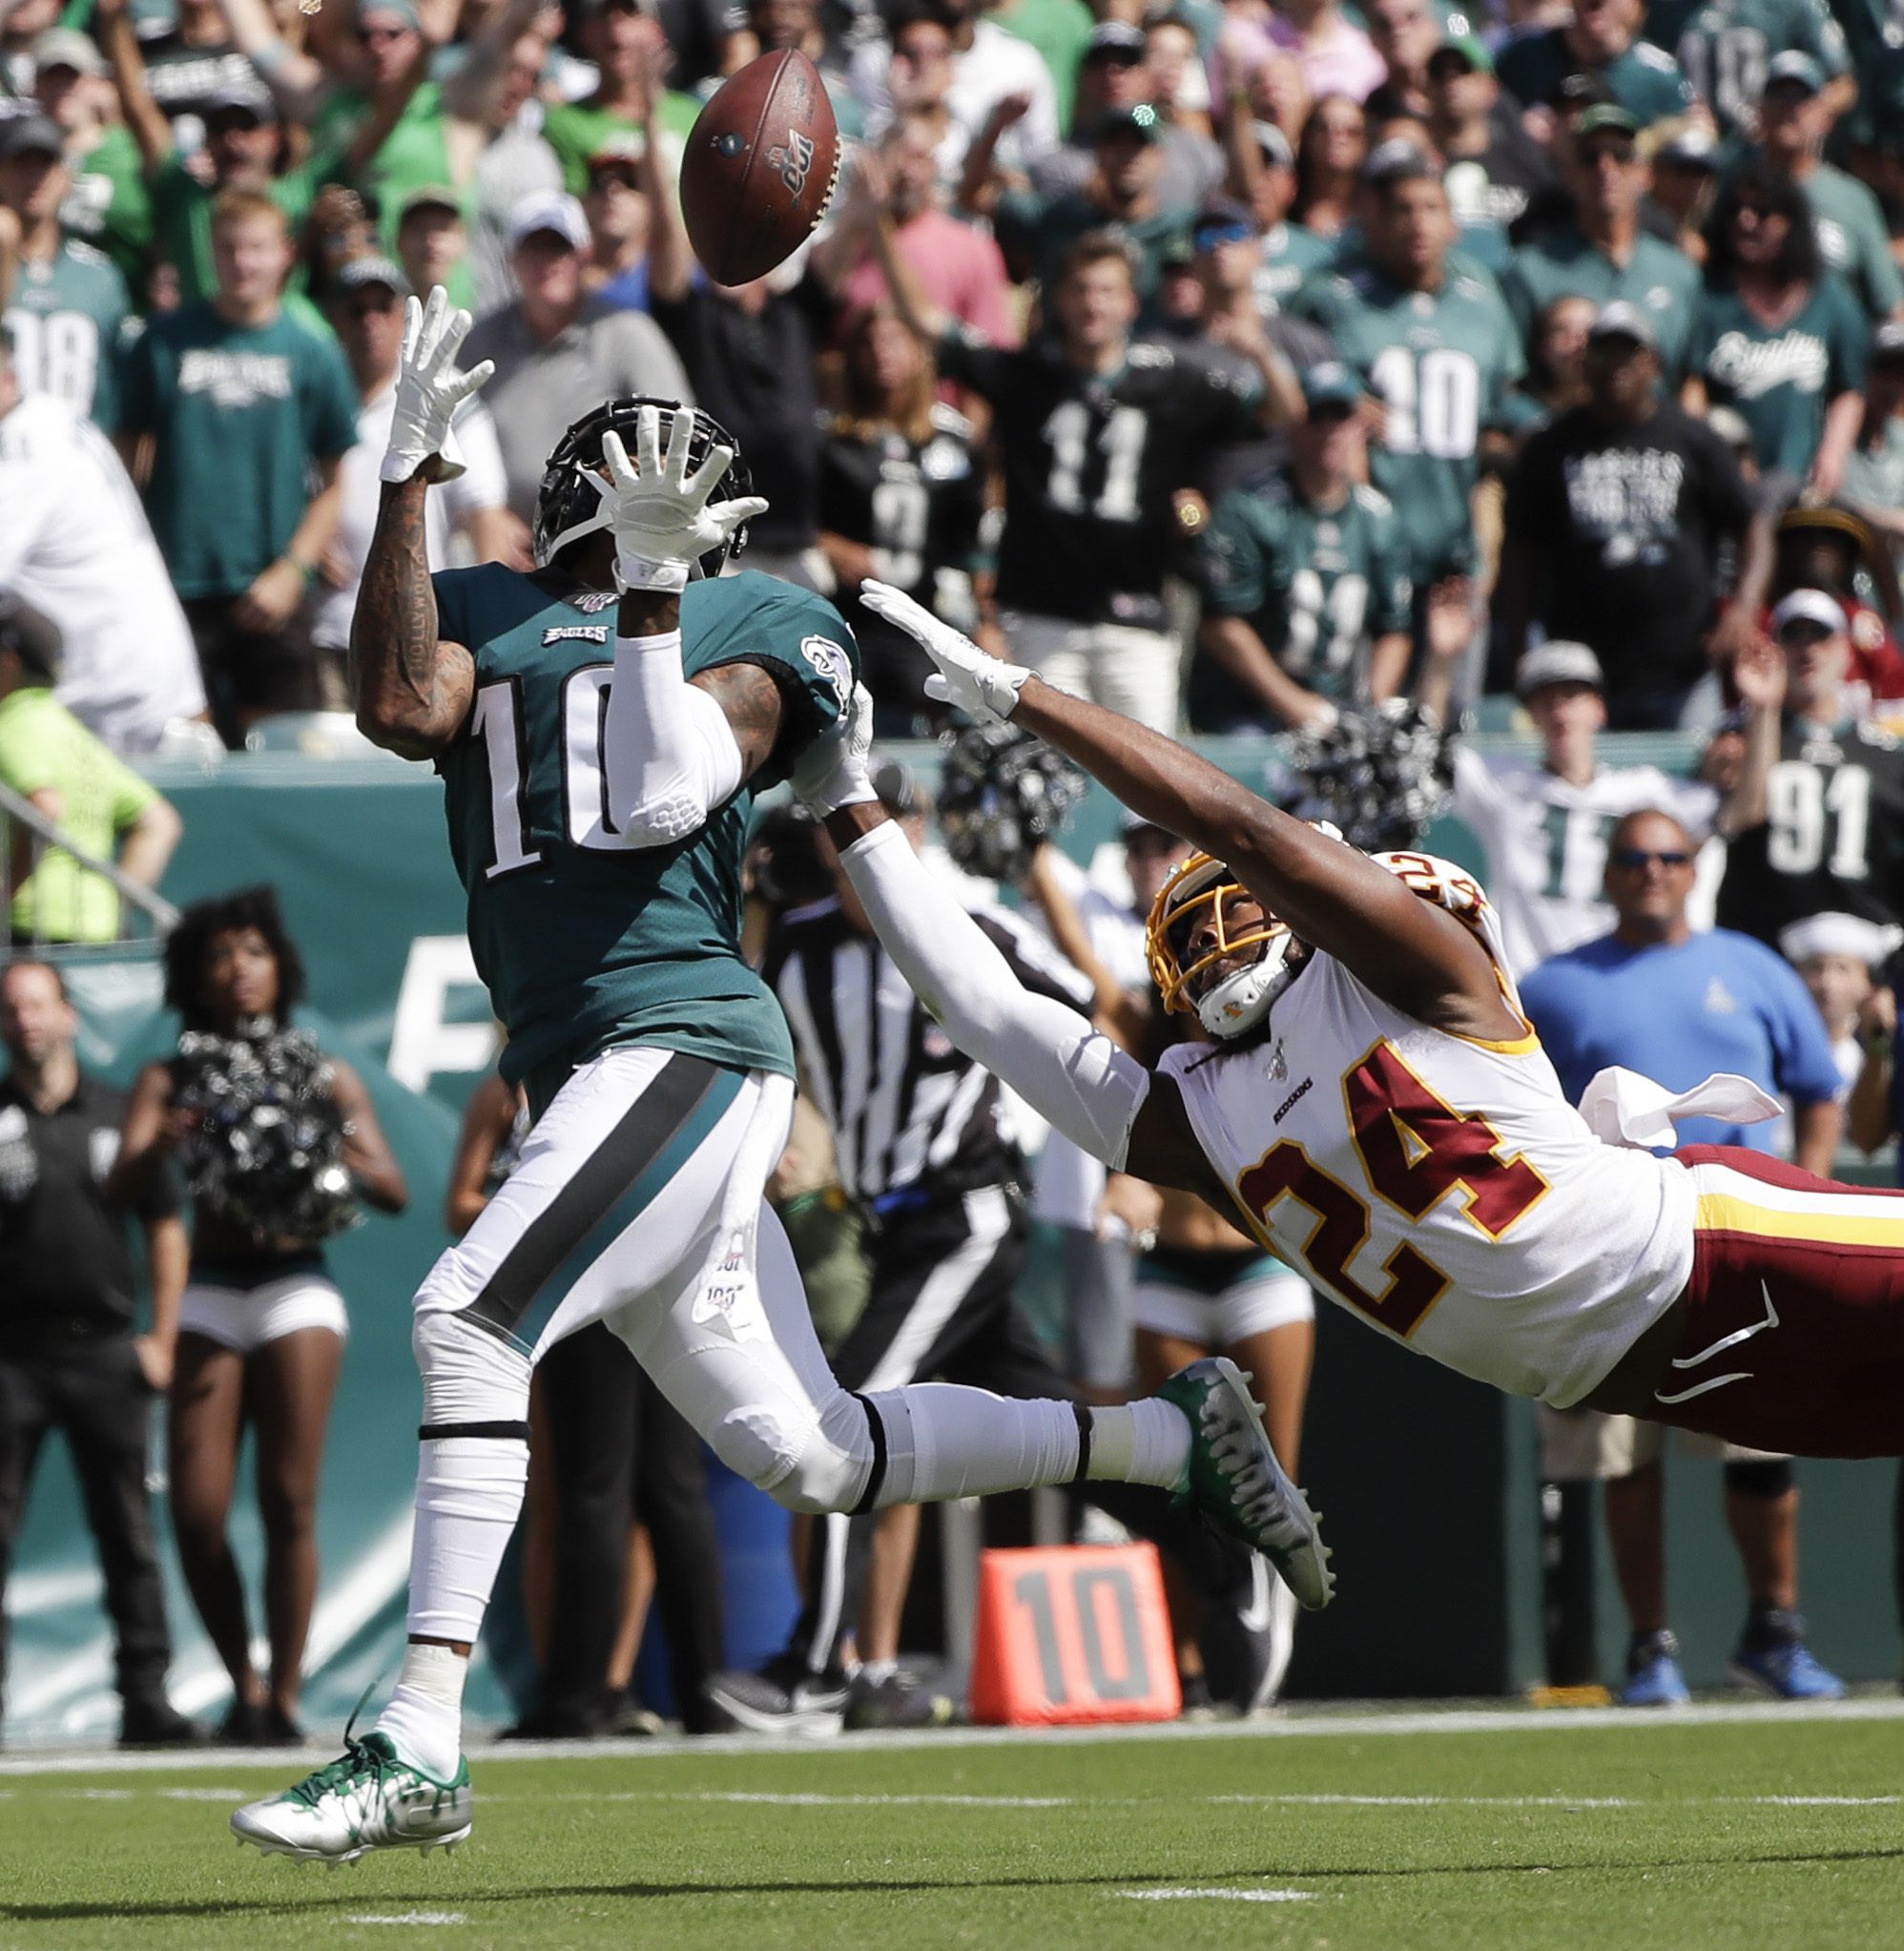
1440	1187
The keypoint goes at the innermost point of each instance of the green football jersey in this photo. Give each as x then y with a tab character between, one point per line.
1873	32
583	941
1854	240
1664	282
67	319
1781	378
1317	585
1441	363
109	207
1290	257
1645	80
1724	45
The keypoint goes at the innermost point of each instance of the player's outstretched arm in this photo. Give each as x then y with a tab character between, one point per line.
412	690
1337	900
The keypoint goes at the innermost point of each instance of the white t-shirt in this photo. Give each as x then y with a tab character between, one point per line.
1545	843
482	485
996	65
76	544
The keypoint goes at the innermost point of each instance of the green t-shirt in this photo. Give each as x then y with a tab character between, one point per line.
415	154
109	208
576	131
68	318
584	941
42	747
1723	46
1442	363
1875	476
240	413
1659	278
1317	585
1059	30
1781	378
1645	80
1853	240
1291	255
1040	230
181	208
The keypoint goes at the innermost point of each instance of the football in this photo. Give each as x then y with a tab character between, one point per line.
760	168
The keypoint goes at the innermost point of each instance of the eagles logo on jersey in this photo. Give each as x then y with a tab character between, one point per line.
568	505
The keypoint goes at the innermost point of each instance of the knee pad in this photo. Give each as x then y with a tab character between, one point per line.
472	1379
807	1463
1765	1477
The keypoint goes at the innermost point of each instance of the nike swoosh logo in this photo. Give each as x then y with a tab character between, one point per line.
1259	1615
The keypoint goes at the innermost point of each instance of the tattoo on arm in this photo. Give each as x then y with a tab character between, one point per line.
753	707
412	690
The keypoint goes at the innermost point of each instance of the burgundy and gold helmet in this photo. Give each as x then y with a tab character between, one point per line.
1240	1000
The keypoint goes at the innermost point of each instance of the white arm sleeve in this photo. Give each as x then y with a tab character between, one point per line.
1071	1073
669	755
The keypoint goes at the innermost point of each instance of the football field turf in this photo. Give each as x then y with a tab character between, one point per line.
1772	1830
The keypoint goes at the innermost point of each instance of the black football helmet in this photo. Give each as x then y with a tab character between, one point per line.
566	504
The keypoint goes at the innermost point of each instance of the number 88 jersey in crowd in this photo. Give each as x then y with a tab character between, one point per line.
1832	838
1440	1187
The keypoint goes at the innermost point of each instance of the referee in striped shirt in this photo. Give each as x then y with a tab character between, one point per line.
922	1145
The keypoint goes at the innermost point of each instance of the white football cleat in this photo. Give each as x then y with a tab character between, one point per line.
365	1799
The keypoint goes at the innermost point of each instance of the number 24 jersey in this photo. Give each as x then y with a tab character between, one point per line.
1439	1187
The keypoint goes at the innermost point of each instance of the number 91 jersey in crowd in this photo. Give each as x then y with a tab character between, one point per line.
1440	1187
583	940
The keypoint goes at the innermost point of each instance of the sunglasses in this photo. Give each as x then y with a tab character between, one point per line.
1223	234
607	173
1636	860
371	35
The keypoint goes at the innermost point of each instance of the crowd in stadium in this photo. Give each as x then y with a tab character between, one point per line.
1244	367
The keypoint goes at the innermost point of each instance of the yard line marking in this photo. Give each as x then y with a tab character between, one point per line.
1818	1801
217	1794
408	1916
1221	1896
820	1801
1281	1724
1320	1801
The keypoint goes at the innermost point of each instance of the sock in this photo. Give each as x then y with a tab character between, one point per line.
1147	1441
424	1718
873	1672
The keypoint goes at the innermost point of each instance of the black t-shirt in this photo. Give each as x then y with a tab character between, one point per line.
64	1252
1626	526
754	372
1090	463
918	503
1832	842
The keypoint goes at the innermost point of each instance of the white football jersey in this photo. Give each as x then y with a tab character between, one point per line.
1441	1187
1545	844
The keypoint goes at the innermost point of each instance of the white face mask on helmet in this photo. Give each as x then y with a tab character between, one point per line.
1240	1001
1237	1002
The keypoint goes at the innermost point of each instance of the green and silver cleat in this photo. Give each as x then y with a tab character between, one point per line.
367	1798
1236	1481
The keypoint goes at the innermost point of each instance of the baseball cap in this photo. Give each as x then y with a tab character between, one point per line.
1602	118
1468	47
1692	149
1873	943
1330	383
550	210
403	11
240	92
30	134
1811	606
430	196
1887	342
1143	119
1557	662
1795	65
617	145
1223	221
362	271
1275	145
66	46
1619	319
1115	40
1397	160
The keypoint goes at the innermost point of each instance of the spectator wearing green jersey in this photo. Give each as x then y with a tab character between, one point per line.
1795	116
1305	580
47	756
1873	481
630	53
68	306
232	411
1776	335
108	206
1604	253
1726	49
1427	333
1601	39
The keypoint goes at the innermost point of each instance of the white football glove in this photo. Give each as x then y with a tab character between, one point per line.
430	390
978	684
658	513
832	772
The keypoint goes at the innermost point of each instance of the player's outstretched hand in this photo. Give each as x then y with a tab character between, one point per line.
430	390
661	515
976	683
832	772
